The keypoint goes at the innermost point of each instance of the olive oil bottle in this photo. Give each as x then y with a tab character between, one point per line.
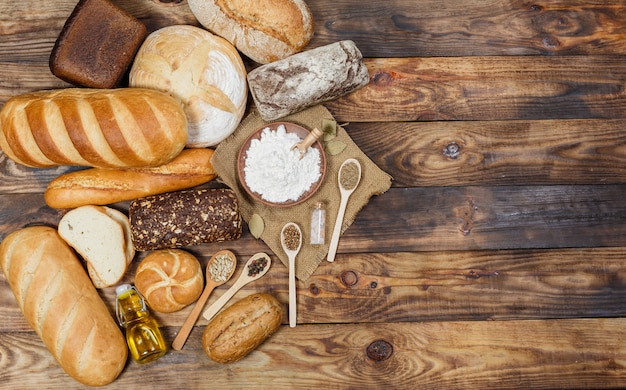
144	338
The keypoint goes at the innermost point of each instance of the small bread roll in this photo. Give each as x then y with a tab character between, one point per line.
169	279
242	327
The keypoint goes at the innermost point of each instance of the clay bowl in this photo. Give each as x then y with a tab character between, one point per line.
289	128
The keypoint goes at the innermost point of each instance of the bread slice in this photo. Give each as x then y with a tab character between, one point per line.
100	236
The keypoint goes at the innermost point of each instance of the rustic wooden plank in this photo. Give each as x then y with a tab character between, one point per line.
583	353
487	88
452	27
496	152
473	218
421	287
382	29
443	218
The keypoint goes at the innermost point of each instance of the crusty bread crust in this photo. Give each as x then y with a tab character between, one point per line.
169	279
202	70
101	186
242	327
265	31
109	128
59	302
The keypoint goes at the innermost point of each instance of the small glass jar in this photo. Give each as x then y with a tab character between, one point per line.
143	336
318	224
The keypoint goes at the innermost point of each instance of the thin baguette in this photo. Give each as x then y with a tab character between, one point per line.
99	186
59	302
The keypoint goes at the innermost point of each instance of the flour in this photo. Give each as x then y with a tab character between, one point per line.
275	172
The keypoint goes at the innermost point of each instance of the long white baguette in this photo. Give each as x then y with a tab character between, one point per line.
109	128
59	302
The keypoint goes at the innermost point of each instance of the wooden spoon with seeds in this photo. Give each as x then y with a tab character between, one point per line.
255	267
217	273
291	239
349	176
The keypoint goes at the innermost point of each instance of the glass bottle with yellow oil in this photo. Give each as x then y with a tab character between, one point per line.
144	338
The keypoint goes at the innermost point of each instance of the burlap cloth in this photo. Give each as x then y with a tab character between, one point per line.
374	181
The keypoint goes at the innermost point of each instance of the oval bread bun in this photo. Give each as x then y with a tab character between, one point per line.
203	71
169	279
263	30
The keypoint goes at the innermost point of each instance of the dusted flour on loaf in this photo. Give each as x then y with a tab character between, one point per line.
308	78
184	218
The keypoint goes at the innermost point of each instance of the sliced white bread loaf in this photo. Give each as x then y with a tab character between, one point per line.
101	236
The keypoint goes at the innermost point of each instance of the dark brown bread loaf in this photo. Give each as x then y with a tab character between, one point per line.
184	218
96	45
308	78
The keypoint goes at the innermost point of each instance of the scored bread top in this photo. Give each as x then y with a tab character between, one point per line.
108	128
265	30
62	306
203	71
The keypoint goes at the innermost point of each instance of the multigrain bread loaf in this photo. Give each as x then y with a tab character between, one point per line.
102	186
62	306
306	79
169	279
242	327
203	71
184	218
109	128
265	30
101	235
96	45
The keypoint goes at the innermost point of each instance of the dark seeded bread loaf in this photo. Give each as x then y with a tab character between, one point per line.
184	218
96	45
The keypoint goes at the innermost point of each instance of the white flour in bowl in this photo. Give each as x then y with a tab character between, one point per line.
275	172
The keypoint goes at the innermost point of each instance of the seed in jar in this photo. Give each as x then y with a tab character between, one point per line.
257	266
221	267
291	236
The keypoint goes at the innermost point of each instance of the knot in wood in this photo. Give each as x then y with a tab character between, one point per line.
314	289
349	278
452	150
379	350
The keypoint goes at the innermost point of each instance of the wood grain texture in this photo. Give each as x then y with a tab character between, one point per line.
487	88
495	261
505	27
582	353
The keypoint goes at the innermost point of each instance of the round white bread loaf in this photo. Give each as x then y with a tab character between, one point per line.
263	30
169	279
203	71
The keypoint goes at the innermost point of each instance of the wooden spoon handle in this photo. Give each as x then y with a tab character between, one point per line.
292	290
221	301
185	330
334	240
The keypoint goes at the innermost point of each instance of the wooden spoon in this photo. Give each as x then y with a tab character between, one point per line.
250	272
291	239
345	194
185	330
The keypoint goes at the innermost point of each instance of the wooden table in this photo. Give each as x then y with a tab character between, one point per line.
496	260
